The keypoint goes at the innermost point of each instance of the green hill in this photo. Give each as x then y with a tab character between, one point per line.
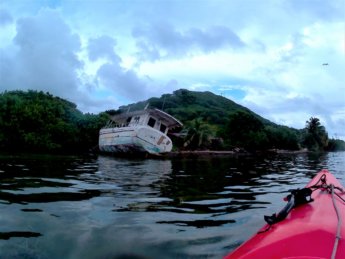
32	121
39	122
216	113
188	105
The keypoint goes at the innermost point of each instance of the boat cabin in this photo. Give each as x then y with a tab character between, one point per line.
153	118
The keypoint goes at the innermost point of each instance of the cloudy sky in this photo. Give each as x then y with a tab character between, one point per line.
283	59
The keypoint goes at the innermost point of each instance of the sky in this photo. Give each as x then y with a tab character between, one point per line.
283	59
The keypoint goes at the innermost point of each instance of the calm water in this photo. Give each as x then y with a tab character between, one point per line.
105	207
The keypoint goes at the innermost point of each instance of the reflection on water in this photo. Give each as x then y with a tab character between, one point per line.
105	207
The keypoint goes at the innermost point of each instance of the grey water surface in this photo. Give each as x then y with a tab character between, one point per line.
107	207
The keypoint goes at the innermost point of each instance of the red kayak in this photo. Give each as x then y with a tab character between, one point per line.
310	226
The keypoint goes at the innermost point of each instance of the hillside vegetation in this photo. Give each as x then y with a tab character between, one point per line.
205	113
34	121
39	122
215	122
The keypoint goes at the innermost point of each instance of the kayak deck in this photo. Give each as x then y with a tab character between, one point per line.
309	230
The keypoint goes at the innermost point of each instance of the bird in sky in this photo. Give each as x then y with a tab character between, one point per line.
325	64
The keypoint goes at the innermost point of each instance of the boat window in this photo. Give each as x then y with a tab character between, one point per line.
129	119
136	119
162	128
151	122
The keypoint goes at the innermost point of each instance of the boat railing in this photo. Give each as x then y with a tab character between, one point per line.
113	124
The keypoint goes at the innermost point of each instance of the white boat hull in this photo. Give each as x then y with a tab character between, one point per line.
141	139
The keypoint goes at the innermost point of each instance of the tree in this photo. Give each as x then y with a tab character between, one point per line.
245	130
315	135
336	145
282	137
186	96
39	122
198	134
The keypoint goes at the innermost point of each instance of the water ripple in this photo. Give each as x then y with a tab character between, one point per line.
102	206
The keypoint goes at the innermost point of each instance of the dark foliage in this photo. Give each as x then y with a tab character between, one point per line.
235	124
315	136
245	130
225	119
39	122
335	145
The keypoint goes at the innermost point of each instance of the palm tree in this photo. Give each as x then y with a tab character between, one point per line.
316	137
198	134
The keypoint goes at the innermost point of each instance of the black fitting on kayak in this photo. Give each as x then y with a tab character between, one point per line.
297	197
302	196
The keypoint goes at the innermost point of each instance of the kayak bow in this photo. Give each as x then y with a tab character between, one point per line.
308	227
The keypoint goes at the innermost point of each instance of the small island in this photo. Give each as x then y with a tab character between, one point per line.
38	122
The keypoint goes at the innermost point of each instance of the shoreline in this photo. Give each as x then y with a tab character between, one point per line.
199	153
220	153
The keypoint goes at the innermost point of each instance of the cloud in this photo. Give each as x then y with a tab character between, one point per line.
100	55
112	77
123	82
49	56
162	40
294	108
129	86
5	18
102	47
45	58
319	9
